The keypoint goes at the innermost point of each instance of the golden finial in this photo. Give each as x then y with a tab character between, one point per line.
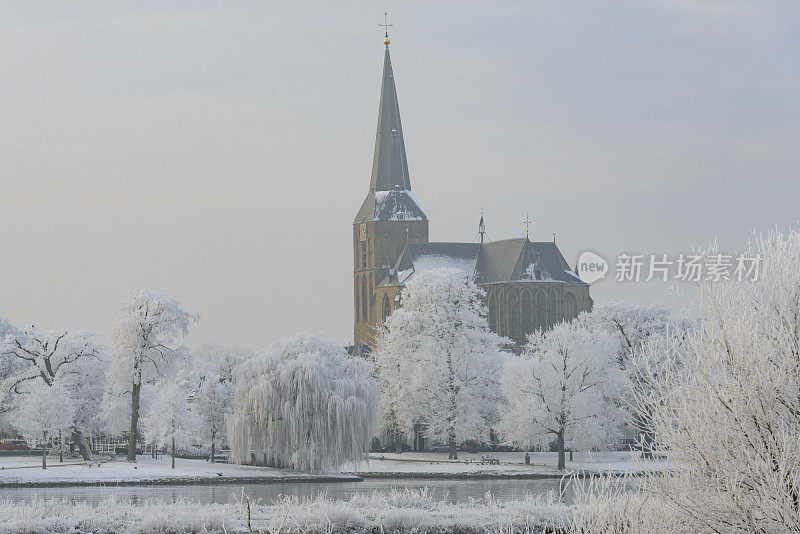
386	27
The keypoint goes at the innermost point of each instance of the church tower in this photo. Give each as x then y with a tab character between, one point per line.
389	218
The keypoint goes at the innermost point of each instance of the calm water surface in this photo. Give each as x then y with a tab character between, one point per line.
444	490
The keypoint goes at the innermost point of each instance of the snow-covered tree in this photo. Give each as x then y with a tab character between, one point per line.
634	325
214	365
169	420
726	405
390	353
221	359
42	412
74	360
565	387
214	403
8	366
149	323
438	362
304	403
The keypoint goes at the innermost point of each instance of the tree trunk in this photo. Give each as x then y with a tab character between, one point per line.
83	447
398	442
173	453
561	459
134	422
60	447
452	443
212	450
44	451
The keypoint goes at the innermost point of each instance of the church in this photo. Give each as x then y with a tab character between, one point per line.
529	285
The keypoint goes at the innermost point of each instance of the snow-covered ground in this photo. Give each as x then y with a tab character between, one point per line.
394	511
511	464
27	470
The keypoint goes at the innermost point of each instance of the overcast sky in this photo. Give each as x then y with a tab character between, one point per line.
220	150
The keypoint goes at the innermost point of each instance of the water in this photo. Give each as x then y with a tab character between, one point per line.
444	490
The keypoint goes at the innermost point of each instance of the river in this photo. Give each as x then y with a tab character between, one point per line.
445	490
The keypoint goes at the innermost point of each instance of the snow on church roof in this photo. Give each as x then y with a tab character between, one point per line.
429	262
508	260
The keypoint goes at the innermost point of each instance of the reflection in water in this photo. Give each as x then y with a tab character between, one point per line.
445	490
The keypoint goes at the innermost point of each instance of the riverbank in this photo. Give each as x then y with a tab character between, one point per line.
504	465
26	472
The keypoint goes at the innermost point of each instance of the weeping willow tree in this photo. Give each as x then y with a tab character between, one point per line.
305	404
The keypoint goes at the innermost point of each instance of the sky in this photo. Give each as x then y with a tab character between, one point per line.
220	150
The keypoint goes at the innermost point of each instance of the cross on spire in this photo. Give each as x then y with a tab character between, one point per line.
386	27
527	222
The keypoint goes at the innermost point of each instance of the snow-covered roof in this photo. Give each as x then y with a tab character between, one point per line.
509	260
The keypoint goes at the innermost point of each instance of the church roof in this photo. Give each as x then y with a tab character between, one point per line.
509	260
389	196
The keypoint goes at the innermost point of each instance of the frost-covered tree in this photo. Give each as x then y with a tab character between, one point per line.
74	360
42	412
634	325
169	422
214	403
214	367
148	324
726	405
438	362
390	352
220	359
304	403
8	366
564	387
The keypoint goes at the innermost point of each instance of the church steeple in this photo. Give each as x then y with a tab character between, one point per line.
389	164
389	197
389	219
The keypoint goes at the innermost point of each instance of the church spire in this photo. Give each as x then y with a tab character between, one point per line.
389	164
389	197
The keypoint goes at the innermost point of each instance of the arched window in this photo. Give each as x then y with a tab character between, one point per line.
512	305
364	311
552	316
502	327
570	307
358	315
540	309
525	313
372	311
493	312
387	309
363	255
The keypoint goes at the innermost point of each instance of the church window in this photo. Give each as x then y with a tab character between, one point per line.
363	255
570	307
387	308
493	312
364	311
551	308
502	328
540	315
512	304
357	301
525	309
